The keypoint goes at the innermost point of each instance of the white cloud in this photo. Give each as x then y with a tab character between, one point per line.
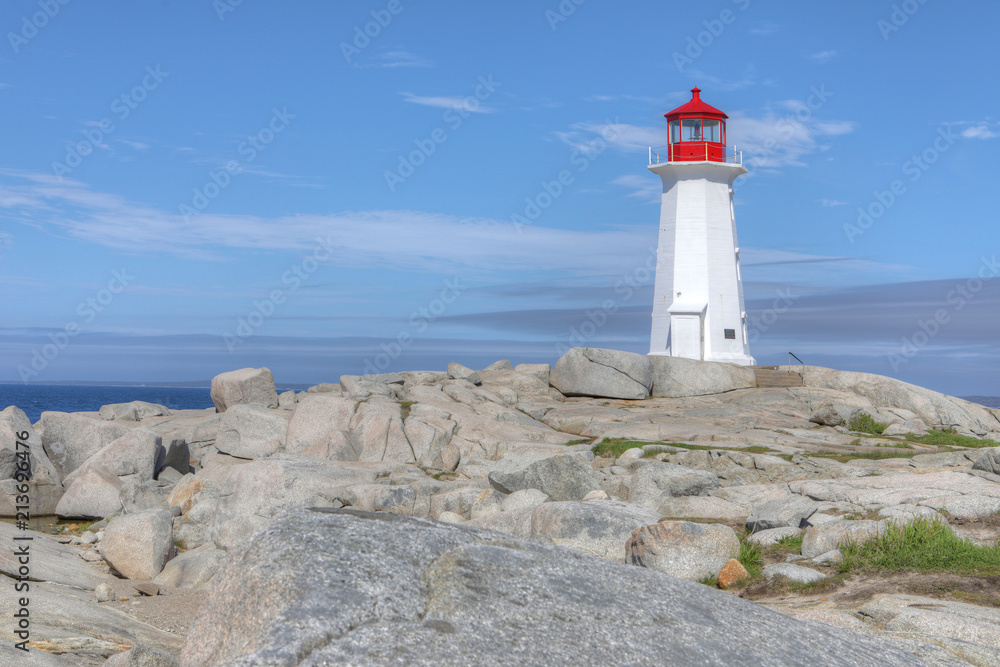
981	131
396	58
621	136
469	104
832	202
647	187
382	238
823	56
765	28
137	145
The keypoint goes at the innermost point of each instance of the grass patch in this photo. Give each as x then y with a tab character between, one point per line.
790	544
948	438
404	408
751	556
709	581
862	422
615	447
578	442
926	545
885	453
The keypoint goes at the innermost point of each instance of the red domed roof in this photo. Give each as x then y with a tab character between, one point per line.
695	107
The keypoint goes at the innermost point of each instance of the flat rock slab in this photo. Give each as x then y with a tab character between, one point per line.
586	371
49	560
796	573
358	588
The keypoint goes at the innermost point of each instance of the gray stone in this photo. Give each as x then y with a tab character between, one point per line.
191	569
374	589
676	376
104	593
656	482
141	655
139	545
50	561
94	492
501	365
585	371
988	461
599	529
362	389
245	386
133	411
248	431
796	573
771	536
324	387
74	625
71	439
254	492
430	438
44	481
560	476
524	499
540	371
701	507
827	414
827	537
791	511
829	558
320	427
286	399
377	434
138	453
381	498
683	549
457	371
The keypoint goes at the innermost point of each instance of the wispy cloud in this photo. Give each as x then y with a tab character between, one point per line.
471	105
832	202
621	136
399	239
648	187
396	58
981	131
765	28
727	85
823	56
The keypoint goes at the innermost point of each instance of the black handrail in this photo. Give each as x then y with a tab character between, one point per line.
791	355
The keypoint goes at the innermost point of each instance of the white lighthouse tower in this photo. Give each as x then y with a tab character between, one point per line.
698	308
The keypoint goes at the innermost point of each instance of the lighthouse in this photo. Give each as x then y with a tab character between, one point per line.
698	310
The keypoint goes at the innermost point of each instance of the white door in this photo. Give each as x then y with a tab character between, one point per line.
685	333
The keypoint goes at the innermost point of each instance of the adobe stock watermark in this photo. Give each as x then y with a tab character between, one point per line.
87	311
551	190
292	279
901	13
697	44
914	168
122	107
363	35
595	319
453	118
562	12
419	322
782	303
957	298
30	25
220	179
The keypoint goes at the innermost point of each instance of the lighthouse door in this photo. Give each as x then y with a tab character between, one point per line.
685	334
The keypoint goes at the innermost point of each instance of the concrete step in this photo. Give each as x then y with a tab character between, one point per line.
770	377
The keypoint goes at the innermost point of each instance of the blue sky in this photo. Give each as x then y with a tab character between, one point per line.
192	187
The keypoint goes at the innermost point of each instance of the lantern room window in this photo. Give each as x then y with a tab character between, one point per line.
675	131
691	129
712	131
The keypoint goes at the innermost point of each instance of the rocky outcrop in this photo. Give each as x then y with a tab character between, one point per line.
415	592
70	439
139	545
676	376
682	549
133	411
248	431
245	386
559	474
586	371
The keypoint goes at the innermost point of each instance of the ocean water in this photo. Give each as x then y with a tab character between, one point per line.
35	398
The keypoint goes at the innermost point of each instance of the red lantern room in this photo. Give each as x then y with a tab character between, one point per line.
696	132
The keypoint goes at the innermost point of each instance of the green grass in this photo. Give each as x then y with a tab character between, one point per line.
862	422
709	581
615	447
948	438
791	544
886	453
926	545
751	556
404	408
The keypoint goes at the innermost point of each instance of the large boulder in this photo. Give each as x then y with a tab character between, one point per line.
247	385
71	439
676	376
44	481
988	461
598	528
657	482
587	371
247	431
683	549
377	433
320	427
192	569
790	511
374	588
551	469
829	536
133	411
139	545
935	409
